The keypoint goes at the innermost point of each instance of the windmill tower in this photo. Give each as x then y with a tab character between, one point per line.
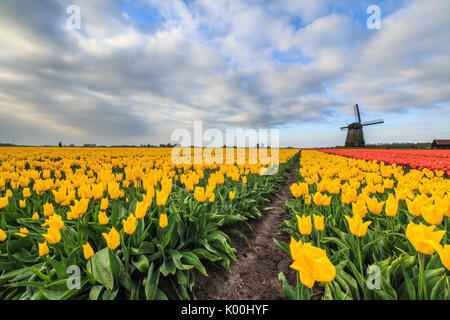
355	137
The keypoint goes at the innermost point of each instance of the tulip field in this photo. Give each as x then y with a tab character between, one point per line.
438	160
133	224
121	223
369	230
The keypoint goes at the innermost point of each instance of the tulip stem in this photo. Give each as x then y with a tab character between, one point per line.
299	288
359	256
318	239
422	283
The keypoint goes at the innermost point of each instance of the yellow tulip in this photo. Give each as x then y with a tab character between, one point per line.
295	190
295	248
129	225
102	217
422	237
141	209
444	254
4	201
374	206
433	214
231	194
307	199
114	190
359	208
318	199
35	216
87	251
357	226
55	221
2	235
163	222
391	206
104	204
414	206
43	249
318	222
48	209
53	235
112	238
161	197
26	192
304	224
444	203
22	204
199	194
22	232
349	196
97	191
313	264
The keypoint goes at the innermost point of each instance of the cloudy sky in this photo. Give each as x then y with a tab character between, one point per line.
137	70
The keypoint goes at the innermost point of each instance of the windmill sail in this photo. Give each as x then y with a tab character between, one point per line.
357	115
368	123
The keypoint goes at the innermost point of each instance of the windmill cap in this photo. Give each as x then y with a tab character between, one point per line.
355	125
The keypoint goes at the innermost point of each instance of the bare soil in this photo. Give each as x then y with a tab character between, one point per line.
255	275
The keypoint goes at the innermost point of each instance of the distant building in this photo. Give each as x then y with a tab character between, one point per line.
440	144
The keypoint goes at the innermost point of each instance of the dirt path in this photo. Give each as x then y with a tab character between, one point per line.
255	275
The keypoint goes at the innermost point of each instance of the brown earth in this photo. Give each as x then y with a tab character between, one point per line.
255	275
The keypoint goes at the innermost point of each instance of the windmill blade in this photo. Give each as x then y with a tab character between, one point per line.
368	123
356	111
343	128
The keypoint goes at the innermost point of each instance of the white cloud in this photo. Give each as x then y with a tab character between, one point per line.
229	63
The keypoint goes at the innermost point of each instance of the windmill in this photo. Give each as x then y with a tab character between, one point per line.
355	136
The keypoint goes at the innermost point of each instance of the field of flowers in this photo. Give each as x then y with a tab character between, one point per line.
369	230
121	223
437	160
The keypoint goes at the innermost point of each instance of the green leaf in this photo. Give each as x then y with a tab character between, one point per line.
283	246
289	292
141	263
39	274
176	256
60	267
434	263
160	295
110	295
168	235
58	290
95	291
192	259
167	267
334	240
438	289
100	267
151	285
204	254
410	289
